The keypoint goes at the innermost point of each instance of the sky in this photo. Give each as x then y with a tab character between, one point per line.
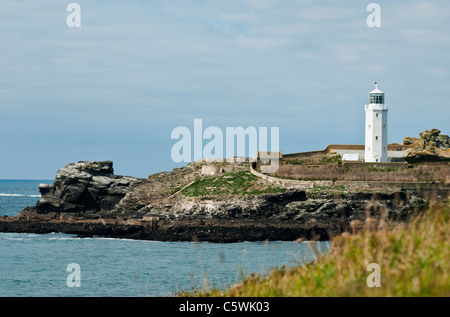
116	87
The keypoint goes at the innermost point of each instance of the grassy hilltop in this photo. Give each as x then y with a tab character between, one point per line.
232	183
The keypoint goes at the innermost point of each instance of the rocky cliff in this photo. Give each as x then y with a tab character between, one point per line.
84	188
431	146
86	198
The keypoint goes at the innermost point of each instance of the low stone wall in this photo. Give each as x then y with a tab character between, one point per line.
344	147
290	182
406	185
427	188
304	154
376	164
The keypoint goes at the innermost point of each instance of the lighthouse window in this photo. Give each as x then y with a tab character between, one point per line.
376	98
377	115
376	138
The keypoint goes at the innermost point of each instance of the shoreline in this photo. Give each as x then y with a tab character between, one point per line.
198	230
87	199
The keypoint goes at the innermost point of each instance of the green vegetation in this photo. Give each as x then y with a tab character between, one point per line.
175	190
378	169
233	183
413	259
315	160
294	161
332	159
268	190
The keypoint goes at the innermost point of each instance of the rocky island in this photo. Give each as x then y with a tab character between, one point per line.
87	199
228	202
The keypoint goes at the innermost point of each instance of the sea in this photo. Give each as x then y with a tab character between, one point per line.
63	265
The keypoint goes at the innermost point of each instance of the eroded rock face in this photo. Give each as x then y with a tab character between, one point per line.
292	206
429	147
84	187
432	139
429	140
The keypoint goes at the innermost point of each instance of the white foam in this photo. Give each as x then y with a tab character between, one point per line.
18	195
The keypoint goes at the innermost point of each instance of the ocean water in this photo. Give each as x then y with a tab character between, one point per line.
15	195
42	264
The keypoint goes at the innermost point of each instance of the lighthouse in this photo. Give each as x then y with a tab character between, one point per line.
376	143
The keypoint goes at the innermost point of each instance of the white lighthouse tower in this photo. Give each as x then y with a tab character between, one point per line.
376	127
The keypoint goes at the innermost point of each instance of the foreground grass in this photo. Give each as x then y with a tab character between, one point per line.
413	259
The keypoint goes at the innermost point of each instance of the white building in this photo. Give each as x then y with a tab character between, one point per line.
376	144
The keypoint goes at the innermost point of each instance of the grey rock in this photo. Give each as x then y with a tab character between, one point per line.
89	187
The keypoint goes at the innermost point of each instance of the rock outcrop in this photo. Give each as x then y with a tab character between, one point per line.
431	146
84	187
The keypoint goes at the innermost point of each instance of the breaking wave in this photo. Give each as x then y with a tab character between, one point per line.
18	195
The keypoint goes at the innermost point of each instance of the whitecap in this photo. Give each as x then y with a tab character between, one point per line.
18	195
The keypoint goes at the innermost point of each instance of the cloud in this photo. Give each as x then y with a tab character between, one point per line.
261	42
288	30
259	4
236	17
